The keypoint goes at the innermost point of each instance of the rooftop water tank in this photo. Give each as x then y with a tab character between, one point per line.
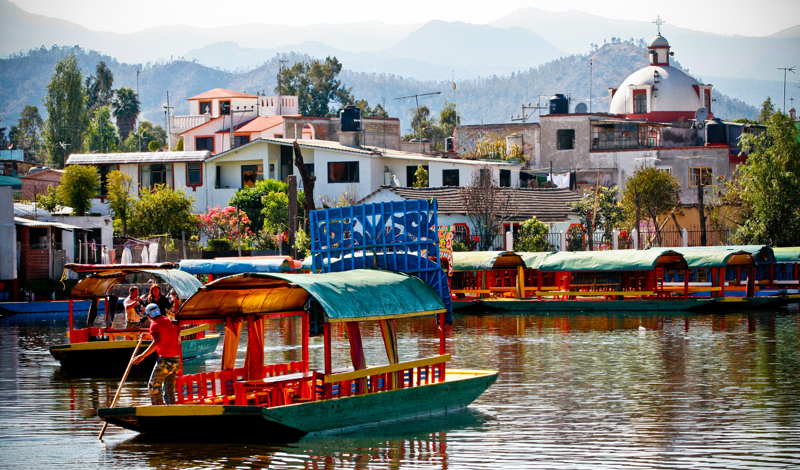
351	119
559	104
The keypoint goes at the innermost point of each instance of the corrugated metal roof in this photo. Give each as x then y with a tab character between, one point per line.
42	223
137	157
22	209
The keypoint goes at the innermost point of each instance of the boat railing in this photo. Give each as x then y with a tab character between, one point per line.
219	387
383	378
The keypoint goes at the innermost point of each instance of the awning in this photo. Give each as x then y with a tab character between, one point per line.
357	295
13	182
534	259
613	260
485	260
42	224
101	281
716	256
228	267
787	254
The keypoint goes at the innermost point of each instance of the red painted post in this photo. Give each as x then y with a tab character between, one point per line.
686	283
328	367
442	335
71	320
304	326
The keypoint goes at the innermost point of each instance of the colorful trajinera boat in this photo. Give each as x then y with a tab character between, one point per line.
619	280
105	351
285	401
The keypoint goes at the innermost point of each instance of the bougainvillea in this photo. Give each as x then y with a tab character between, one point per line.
227	223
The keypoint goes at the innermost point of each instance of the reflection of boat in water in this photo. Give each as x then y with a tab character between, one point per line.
663	279
286	401
105	351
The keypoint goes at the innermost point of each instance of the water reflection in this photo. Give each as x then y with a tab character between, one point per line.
584	391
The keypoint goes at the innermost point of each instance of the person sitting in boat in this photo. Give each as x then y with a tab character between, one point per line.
154	296
174	301
133	308
167	344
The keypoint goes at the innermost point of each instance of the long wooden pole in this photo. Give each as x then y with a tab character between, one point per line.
119	387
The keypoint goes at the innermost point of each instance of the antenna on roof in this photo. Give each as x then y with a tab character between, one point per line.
416	98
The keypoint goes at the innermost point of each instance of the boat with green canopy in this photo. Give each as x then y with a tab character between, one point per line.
484	274
280	402
105	350
784	274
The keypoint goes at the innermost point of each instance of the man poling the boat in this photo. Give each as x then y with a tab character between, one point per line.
166	342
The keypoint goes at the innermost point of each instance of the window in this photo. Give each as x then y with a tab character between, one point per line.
239	140
565	139
411	172
665	169
505	178
205	107
225	107
700	175
707	99
194	174
342	172
449	177
218	178
639	101
157	173
104	171
251	174
204	143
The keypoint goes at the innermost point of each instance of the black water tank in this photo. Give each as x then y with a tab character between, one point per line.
351	119
449	144
715	132
559	104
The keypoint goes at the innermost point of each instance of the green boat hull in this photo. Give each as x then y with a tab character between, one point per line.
677	305
109	358
292	422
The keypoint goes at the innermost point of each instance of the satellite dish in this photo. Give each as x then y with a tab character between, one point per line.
581	108
700	117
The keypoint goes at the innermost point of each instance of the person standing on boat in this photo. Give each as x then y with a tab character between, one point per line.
133	308
166	342
154	296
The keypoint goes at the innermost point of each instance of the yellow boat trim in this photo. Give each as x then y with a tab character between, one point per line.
388	317
180	410
732	299
599	293
358	374
196	329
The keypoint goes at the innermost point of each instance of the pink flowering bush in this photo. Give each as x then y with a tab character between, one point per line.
227	223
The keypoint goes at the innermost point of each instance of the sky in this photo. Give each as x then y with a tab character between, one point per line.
743	17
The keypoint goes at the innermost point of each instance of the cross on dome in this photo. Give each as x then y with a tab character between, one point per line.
658	22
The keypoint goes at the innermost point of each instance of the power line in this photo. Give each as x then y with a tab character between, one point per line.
785	69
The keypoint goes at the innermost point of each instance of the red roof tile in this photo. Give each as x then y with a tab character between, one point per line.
221	93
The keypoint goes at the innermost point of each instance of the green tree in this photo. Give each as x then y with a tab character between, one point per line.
126	111
146	133
767	110
421	177
249	200
118	187
27	134
102	135
66	112
448	119
79	184
650	192
599	210
162	210
49	200
316	85
99	87
532	236
367	112
768	185
421	123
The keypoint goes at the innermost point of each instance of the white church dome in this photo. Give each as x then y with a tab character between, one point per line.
659	91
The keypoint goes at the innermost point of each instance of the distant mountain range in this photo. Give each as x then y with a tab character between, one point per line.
24	78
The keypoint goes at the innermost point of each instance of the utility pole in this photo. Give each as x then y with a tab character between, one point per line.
167	112
591	76
785	69
138	135
281	62
524	116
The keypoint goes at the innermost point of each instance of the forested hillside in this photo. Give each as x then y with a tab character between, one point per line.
24	78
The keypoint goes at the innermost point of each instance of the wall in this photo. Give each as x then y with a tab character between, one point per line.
564	159
8	235
383	133
466	138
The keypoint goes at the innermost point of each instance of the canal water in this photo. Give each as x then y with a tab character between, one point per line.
595	391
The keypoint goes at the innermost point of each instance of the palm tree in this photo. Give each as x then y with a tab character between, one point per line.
126	110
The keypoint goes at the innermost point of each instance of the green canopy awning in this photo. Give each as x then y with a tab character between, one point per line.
357	295
612	260
12	181
102	280
715	256
787	254
485	260
534	259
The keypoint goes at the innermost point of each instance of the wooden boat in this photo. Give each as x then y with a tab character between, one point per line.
286	401
42	310
105	351
624	280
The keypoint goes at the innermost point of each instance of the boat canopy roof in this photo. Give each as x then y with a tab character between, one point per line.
357	295
226	267
484	260
104	277
787	254
613	260
534	259
722	256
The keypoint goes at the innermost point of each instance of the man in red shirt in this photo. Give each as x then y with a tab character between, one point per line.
166	341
